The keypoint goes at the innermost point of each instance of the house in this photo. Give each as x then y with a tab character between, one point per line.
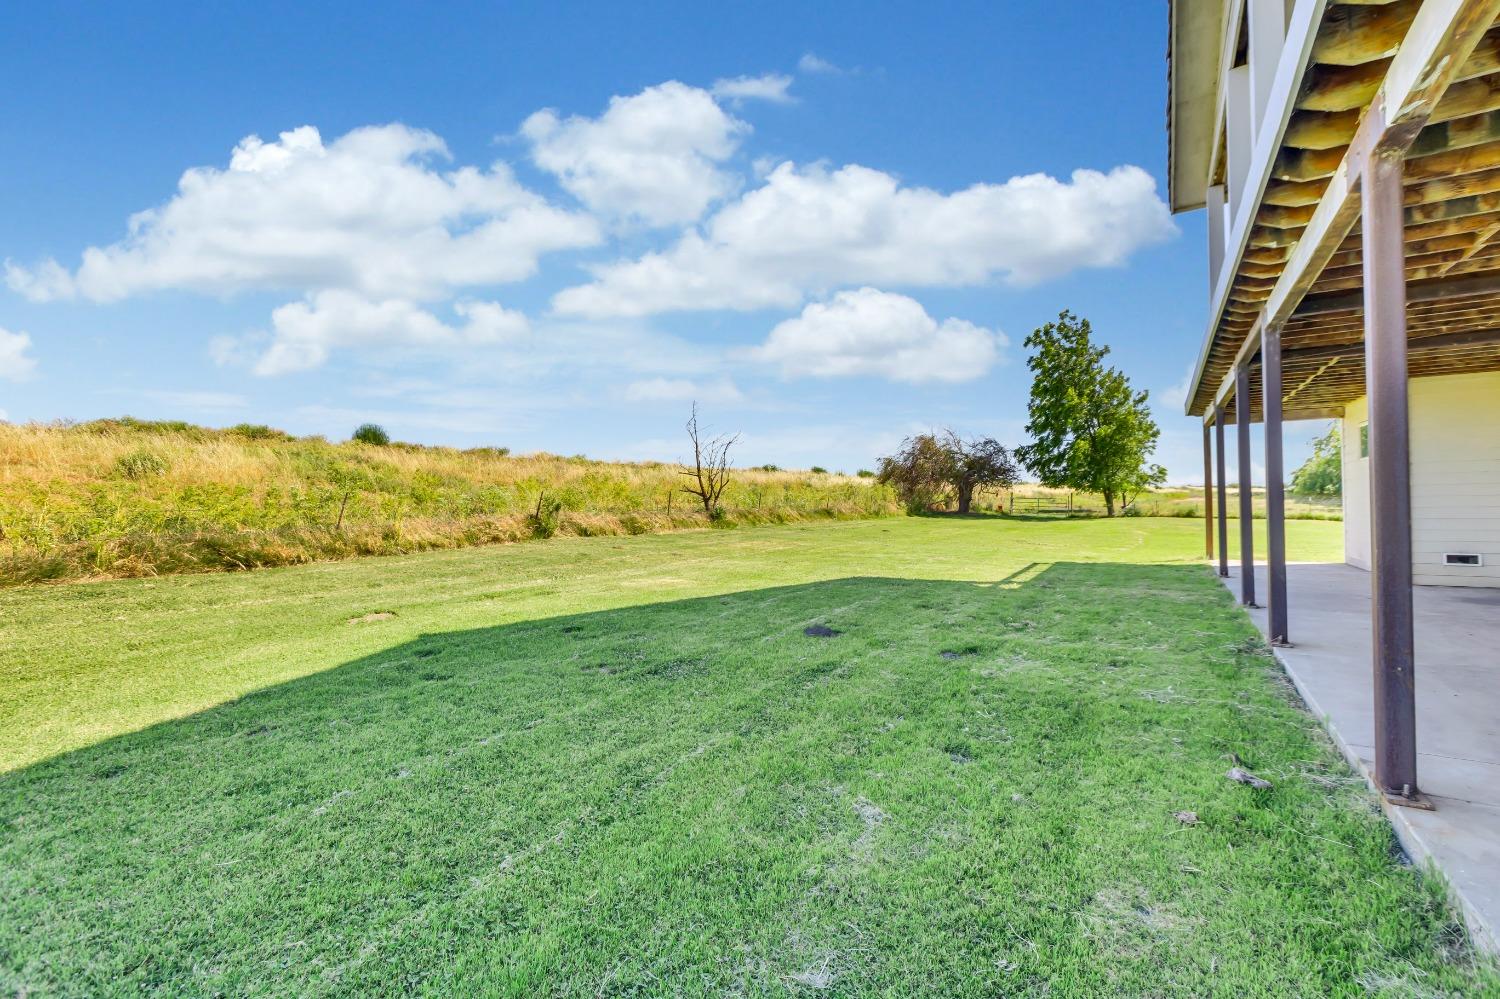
1348	158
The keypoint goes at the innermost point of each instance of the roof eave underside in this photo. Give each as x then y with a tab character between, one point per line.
1452	228
1192	69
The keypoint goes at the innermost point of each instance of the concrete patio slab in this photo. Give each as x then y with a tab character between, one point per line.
1458	714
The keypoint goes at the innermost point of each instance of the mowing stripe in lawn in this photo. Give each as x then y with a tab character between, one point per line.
625	767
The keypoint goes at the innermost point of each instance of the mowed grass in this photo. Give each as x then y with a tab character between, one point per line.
619	766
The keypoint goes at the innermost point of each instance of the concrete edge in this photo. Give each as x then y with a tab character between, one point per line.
1482	935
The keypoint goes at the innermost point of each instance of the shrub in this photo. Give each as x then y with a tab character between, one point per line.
371	433
140	464
547	517
770	468
819	470
865	473
131	425
258	432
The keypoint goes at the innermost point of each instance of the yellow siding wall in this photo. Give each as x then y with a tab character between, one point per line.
1356	488
1455	479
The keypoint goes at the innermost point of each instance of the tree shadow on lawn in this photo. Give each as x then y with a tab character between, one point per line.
970	789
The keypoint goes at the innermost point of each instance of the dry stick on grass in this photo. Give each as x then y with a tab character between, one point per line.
710	471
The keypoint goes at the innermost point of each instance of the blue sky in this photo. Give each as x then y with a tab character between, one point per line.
552	226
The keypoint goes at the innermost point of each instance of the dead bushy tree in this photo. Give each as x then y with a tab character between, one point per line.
929	466
983	462
919	472
709	475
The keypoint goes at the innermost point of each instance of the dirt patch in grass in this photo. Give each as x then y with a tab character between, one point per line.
1125	919
372	617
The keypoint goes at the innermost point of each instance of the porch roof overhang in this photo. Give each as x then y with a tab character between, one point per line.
1402	77
1192	69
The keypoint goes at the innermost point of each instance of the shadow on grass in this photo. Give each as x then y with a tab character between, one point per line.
696	796
1025	518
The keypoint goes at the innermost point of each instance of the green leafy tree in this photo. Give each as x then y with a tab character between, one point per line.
1089	430
1323	473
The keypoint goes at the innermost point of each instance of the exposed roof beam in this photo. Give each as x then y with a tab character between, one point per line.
1302	30
1336	351
1436	45
1438	42
1249	347
1468	338
1416	291
1287	416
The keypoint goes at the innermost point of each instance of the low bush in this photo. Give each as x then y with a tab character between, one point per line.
371	433
258	432
544	520
140	464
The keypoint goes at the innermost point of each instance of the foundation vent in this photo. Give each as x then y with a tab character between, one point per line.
1453	558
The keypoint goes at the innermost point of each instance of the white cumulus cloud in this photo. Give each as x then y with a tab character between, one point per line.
368	212
768	87
809	229
655	157
813	63
876	333
1174	397
304	333
15	363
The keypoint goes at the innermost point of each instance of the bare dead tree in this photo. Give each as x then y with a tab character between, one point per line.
709	474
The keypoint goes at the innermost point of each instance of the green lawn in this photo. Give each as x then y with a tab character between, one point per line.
618	766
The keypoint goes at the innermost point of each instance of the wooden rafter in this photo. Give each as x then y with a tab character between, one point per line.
1406	78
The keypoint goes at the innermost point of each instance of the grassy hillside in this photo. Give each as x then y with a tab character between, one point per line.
131	498
622	767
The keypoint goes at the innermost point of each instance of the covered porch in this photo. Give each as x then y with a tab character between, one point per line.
1349	159
1357	263
1457	630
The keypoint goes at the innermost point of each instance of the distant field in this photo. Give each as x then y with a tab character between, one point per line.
122	498
1172	501
126	498
621	767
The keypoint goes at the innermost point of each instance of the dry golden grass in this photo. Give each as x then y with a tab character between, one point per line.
129	498
1169	501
